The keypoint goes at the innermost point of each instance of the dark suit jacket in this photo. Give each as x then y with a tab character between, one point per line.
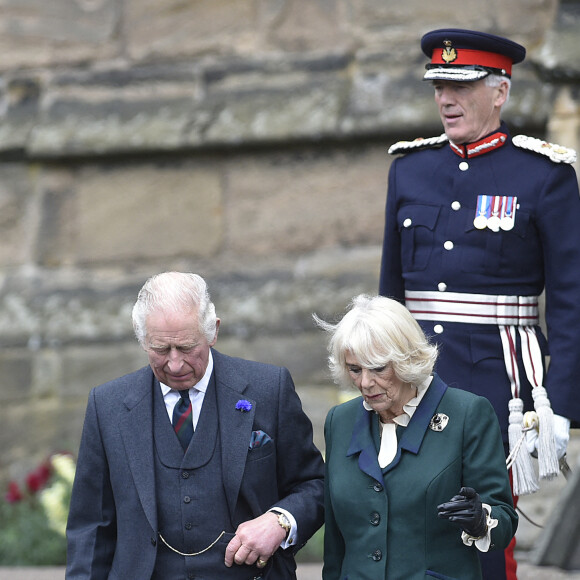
112	528
383	524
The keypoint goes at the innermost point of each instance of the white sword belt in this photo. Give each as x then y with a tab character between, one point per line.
473	308
512	314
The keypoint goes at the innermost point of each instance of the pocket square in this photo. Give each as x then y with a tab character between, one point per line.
258	439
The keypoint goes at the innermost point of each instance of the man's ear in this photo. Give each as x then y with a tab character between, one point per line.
217	328
502	93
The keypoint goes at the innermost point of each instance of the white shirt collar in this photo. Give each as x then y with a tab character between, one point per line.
410	407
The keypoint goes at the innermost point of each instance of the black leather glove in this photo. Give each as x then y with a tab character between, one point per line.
465	509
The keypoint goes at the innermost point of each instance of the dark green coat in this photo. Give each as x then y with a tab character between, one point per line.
383	524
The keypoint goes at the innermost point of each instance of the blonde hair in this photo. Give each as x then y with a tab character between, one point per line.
379	331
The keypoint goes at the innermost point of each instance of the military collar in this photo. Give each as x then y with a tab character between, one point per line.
485	145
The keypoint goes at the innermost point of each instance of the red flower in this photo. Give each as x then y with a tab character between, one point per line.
37	479
14	494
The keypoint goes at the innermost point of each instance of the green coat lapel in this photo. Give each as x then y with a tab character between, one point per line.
414	433
364	443
365	437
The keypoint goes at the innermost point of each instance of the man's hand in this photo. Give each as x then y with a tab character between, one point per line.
255	541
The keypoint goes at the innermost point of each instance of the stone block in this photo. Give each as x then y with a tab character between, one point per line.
40	311
15	375
385	102
86	367
46	373
36	33
118	109
402	23
306	200
556	58
57	225
307	110
174	28
295	26
30	434
260	306
20	96
17	215
303	354
145	212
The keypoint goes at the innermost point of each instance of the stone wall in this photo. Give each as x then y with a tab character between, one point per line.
245	141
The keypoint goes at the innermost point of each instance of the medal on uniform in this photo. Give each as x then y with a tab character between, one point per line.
508	213
494	221
495	212
482	212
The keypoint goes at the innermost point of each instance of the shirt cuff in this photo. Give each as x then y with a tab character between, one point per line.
291	539
483	543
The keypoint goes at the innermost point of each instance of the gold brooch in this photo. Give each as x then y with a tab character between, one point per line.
438	422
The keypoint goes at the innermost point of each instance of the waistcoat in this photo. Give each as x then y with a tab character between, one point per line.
192	507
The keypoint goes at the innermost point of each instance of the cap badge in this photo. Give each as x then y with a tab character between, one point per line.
449	54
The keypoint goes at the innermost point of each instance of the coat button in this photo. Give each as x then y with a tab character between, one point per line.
375	519
438	328
407	223
184	474
186	499
188	526
456	206
448	245
441	286
377	555
377	486
464	166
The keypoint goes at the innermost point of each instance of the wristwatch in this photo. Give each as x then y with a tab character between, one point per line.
283	521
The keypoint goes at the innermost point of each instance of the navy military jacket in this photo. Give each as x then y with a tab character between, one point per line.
432	244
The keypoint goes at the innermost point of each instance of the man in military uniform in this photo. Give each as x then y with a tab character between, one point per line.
478	225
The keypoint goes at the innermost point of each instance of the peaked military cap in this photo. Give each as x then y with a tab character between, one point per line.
468	55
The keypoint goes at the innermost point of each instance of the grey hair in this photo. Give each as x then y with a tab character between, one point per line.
379	331
174	292
492	80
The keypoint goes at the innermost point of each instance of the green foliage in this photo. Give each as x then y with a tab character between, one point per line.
33	518
26	538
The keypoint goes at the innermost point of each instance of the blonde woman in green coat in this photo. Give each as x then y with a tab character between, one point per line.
416	481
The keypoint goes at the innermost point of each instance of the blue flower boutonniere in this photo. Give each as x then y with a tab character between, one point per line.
243	405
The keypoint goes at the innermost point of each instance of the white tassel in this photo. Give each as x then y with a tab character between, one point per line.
547	456
524	477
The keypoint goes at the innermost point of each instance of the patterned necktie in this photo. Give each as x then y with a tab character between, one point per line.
182	420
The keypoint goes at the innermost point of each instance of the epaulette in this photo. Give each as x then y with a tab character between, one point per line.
556	153
419	143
